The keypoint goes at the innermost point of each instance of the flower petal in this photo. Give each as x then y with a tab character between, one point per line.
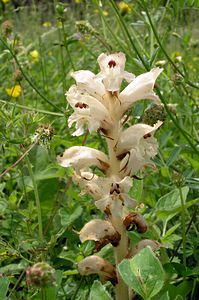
80	157
140	88
136	146
87	80
112	70
88	110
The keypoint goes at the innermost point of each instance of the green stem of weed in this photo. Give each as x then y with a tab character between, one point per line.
66	46
32	109
143	5
183	227
36	193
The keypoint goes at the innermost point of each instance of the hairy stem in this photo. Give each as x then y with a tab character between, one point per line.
121	250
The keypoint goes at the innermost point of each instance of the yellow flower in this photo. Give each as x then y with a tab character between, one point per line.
35	56
14	91
47	24
105	13
124	8
5	1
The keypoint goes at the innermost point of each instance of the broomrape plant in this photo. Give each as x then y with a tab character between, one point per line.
99	104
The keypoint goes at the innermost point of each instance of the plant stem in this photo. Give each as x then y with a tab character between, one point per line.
39	216
121	250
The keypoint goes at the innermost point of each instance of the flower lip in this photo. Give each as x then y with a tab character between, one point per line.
97	265
111	63
101	232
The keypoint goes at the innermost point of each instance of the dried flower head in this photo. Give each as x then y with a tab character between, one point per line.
41	275
7	27
85	27
44	133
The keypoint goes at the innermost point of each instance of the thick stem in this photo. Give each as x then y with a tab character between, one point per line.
121	250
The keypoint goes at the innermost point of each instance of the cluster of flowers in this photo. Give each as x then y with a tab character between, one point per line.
99	105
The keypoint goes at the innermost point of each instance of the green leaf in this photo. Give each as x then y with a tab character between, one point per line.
173	155
67	219
143	273
169	204
98	292
51	292
4	284
137	189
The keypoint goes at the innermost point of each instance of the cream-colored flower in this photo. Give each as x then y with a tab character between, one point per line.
82	157
111	194
88	110
136	146
112	71
140	88
97	265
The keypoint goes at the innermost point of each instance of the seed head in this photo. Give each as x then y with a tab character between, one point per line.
41	275
153	114
6	28
44	133
85	27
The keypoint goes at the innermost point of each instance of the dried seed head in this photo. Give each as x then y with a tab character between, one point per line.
100	231
7	28
135	219
96	265
44	133
153	114
17	76
84	27
41	275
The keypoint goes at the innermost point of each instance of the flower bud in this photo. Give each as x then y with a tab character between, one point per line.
41	275
102	232
136	220
97	265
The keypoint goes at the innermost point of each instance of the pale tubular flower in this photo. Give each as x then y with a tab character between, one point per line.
137	220
87	110
82	157
111	194
140	88
97	265
112	71
100	231
87	80
136	146
154	245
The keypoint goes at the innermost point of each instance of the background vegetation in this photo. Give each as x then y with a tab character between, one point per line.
41	211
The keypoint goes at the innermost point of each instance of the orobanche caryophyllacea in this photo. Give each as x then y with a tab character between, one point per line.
99	105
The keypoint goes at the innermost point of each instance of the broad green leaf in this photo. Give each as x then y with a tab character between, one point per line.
98	292
4	284
143	273
169	204
67	219
173	155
